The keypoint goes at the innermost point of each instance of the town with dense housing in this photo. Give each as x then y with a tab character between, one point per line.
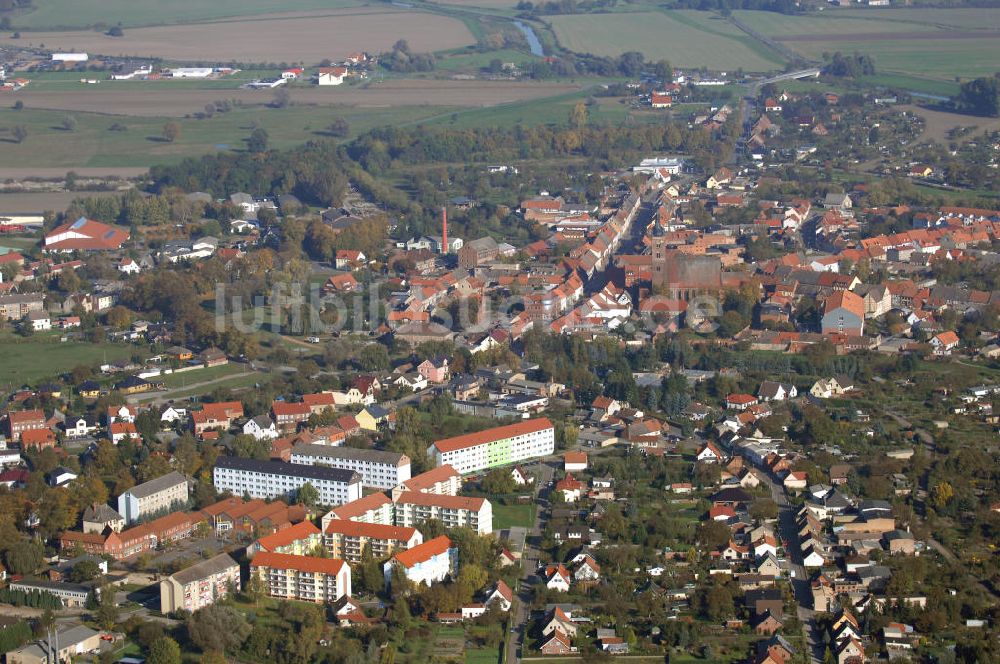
700	368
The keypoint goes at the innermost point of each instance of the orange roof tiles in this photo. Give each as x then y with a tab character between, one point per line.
490	435
440	500
362	505
285	537
370	530
433	476
328	566
423	552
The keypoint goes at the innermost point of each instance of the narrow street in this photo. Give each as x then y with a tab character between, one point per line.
543	473
789	532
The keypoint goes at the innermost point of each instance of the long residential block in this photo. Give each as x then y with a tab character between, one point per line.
200	585
378	469
348	539
305	578
162	494
499	446
276	479
412	509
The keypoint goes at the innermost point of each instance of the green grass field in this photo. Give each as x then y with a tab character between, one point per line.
93	143
35	359
199	375
825	23
506	516
52	14
966	18
685	38
927	48
482	656
941	59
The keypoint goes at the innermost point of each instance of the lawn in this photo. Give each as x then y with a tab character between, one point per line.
506	516
34	359
482	656
237	381
51	14
201	375
686	39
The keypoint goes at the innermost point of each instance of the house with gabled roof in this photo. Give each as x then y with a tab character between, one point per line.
557	578
501	595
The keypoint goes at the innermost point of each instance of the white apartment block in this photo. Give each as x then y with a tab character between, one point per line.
444	480
275	479
304	578
374	508
200	585
428	563
348	539
412	509
161	495
500	446
378	469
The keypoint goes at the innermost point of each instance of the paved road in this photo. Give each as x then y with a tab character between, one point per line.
789	531
543	473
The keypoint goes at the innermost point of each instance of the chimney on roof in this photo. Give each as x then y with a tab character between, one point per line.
444	230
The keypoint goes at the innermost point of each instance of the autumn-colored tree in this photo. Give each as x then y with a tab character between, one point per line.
171	132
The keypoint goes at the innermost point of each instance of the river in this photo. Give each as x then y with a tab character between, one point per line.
533	43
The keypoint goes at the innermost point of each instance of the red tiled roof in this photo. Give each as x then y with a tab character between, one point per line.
328	566
423	552
431	477
370	530
846	300
25	416
319	399
280	408
439	500
93	235
361	505
287	536
489	435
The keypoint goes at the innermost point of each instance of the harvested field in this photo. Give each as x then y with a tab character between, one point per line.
299	38
489	4
937	124
61	14
52	172
686	39
162	101
49	200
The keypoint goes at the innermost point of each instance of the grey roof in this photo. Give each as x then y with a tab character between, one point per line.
66	638
52	586
146	489
377	411
351	453
487	243
289	469
205	568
